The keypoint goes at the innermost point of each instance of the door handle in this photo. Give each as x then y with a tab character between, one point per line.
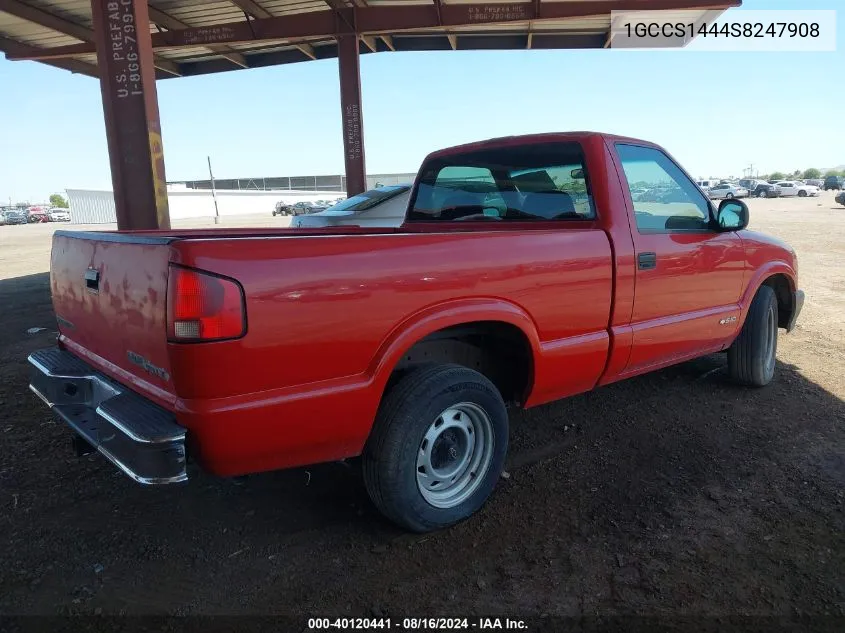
647	261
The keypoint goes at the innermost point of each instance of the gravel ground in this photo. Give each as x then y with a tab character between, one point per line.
673	494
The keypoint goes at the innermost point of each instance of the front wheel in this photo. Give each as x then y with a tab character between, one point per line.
751	357
437	447
761	194
729	195
802	194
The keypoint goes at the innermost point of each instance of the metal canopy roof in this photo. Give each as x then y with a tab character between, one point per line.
192	37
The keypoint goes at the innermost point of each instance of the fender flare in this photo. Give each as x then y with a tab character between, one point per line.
760	275
439	316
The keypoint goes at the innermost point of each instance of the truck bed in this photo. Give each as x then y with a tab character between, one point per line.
311	297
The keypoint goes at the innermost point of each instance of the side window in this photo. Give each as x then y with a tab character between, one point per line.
671	201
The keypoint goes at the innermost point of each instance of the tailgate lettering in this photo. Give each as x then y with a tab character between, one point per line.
143	363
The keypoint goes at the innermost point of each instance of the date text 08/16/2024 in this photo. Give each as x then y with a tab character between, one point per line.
416	624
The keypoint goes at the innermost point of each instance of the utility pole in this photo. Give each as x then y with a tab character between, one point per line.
213	193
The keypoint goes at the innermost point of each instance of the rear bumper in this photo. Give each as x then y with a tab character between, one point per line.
139	437
797	305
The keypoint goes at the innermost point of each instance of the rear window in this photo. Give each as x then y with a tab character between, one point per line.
523	182
368	199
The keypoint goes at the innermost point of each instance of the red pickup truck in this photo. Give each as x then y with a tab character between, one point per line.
528	269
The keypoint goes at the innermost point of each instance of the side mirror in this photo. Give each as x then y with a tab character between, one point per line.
577	174
733	215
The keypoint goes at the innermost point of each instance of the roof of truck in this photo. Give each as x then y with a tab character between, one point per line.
527	139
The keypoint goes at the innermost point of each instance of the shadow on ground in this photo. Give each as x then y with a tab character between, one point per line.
670	494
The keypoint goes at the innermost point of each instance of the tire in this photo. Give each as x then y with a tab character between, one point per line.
802	194
729	196
763	194
410	424
752	356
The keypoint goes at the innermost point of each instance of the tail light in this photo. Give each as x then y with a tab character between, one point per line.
203	307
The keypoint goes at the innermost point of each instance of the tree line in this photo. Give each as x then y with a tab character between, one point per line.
810	173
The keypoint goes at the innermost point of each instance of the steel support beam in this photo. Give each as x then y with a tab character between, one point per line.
54	22
351	110
130	105
167	21
390	19
370	42
12	48
252	8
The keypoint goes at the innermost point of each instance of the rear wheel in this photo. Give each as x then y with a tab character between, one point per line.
729	195
437	447
752	357
762	194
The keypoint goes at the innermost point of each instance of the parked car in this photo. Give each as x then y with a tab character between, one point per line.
384	206
840	198
36	215
792	188
282	208
58	215
706	184
750	184
816	182
833	182
404	345
15	217
303	207
765	190
727	190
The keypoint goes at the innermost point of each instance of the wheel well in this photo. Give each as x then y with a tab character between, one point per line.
780	284
500	351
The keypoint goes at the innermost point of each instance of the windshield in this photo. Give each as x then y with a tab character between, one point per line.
538	181
369	199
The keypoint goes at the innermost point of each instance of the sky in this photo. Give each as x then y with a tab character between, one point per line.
716	112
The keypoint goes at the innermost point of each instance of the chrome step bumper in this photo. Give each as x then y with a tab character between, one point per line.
139	437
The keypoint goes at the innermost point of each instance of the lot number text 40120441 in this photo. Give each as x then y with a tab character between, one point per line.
417	624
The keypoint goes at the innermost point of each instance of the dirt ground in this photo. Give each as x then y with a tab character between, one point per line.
673	494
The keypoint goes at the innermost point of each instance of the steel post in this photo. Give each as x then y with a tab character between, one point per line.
130	105
353	124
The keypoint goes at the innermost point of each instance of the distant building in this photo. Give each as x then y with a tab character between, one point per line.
290	183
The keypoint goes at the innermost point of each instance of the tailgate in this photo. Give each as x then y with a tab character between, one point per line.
109	296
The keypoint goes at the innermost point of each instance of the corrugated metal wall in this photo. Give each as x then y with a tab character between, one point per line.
97	207
91	207
326	184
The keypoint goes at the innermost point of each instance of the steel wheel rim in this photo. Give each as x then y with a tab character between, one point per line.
771	337
454	455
